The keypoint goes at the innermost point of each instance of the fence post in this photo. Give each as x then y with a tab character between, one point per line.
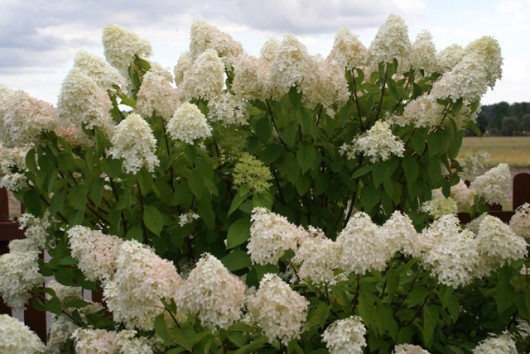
521	189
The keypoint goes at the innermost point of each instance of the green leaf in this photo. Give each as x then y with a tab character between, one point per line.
411	168
362	171
430	318
153	219
319	316
162	330
239	198
263	129
417	295
370	197
185	336
238	232
31	163
305	155
253	346
96	190
78	196
271	153
434	141
33	203
418	143
111	167
236	260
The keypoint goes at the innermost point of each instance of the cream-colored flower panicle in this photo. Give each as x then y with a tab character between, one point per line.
400	235
188	124
16	337
494	185
348	51
378	143
423	56
142	280
317	258
271	235
391	41
104	75
250	77
212	293
361	246
502	344
135	143
23	118
156	96
228	109
96	252
19	273
88	341
328	85
82	102
205	78
520	221
121	45
278	310
345	336
409	349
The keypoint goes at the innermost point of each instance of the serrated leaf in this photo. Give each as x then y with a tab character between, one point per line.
239	198
411	168
78	196
305	156
236	260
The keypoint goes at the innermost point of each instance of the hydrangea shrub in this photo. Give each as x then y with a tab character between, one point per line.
281	203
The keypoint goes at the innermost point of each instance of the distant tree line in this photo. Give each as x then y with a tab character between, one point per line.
504	119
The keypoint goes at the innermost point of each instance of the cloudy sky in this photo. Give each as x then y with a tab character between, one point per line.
39	38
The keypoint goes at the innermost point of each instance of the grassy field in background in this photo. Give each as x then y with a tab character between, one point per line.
515	151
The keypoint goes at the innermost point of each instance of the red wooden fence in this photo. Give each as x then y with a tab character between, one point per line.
9	230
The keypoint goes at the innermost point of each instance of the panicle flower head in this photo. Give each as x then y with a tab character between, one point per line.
35	228
205	78
400	235
520	221
156	96
204	36
135	143
12	160
453	257
271	235
421	112
317	258
449	57
494	185
64	293
463	195
250	77
473	165
59	333
187	218
88	341
182	67
348	51
212	293
228	109
327	86
378	143
23	118
497	243
96	252
292	66
487	51
251	171
17	337
503	344
345	336
188	124
438	207
142	280
129	344
269	49
82	102
409	349
99	70
423	55
121	45
278	310
19	273
391	41
361	245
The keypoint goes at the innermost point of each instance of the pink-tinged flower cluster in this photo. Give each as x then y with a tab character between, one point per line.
135	143
345	336
328	85
142	280
378	143
96	252
212	293
16	337
88	341
278	310
188	124
271	235
250	78
23	118
156	96
361	246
